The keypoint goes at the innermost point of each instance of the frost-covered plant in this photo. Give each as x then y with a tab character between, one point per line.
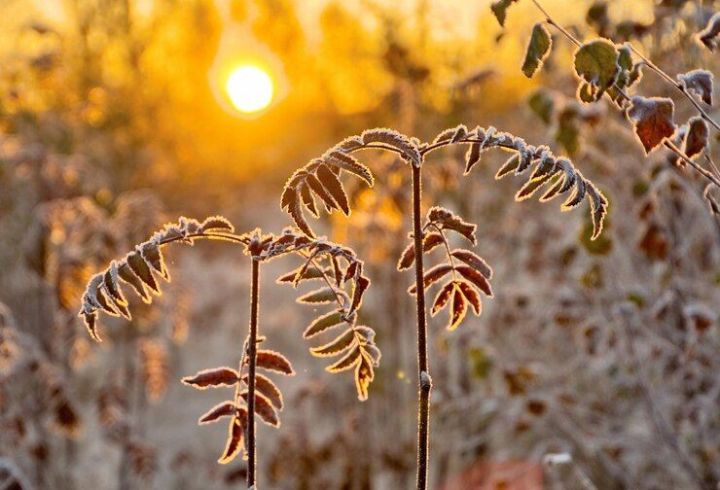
606	68
469	275
337	267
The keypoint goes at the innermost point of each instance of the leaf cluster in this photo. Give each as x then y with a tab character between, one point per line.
141	269
268	397
558	174
469	274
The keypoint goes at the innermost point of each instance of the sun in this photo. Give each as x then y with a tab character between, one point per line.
250	89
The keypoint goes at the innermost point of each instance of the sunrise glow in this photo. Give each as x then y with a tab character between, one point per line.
250	89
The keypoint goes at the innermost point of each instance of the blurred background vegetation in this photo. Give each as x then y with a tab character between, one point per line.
114	118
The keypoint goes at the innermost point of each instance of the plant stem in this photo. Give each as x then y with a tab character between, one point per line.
705	173
668	144
557	26
424	381
252	354
679	86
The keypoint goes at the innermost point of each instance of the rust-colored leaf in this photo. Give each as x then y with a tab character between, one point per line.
264	409
274	361
652	119
431	241
372	352
442	298
361	285
471	295
475	278
407	259
334	187
220	410
473	261
268	389
432	276
234	443
459	309
212	378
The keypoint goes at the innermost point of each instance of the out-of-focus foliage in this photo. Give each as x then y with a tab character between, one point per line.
604	351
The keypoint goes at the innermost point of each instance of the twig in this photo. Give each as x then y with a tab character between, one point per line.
678	85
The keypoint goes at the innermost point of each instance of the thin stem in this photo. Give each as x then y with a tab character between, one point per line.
668	144
560	28
329	283
704	172
709	159
424	381
451	259
252	355
677	85
231	237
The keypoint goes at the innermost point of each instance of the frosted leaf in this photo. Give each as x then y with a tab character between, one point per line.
322	323
142	270
699	82
234	443
394	139
342	342
333	187
350	164
442	298
475	278
346	362
264	409
499	8
596	62
407	258
220	410
696	137
361	285
537	51
432	276
652	119
214	378
266	387
710	36
274	361
217	223
471	295
458	309
474	261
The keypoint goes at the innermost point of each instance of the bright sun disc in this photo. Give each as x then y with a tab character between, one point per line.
250	89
